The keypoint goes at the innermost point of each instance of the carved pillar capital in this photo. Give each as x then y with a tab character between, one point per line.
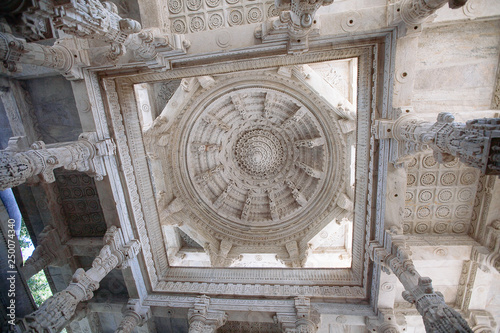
56	311
18	163
475	143
204	320
305	319
134	314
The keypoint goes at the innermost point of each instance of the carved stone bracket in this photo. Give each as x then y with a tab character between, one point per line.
204	320
134	314
296	20
436	314
476	143
49	251
304	320
56	311
18	163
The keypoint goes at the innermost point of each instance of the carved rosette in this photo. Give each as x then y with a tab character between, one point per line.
257	163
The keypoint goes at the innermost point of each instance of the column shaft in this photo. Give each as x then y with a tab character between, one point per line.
14	50
17	164
476	143
438	317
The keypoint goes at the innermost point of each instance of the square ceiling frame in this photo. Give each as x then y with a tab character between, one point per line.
116	116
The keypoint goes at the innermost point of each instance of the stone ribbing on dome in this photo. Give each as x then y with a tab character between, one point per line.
257	160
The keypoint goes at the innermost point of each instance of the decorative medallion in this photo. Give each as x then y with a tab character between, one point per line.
428	179
254	15
429	161
179	26
448	178
468	178
175	6
215	21
197	24
445	195
193	4
212	3
235	17
272	11
440	227
425	195
411	179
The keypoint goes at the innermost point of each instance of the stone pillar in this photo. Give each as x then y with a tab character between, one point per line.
18	163
304	320
49	251
56	311
202	319
438	317
14	50
134	315
476	143
416	11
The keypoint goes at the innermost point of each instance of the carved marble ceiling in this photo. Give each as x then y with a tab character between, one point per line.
190	16
254	163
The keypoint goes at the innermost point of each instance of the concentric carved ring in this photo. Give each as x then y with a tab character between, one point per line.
259	153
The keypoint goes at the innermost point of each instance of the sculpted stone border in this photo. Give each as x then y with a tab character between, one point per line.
321	282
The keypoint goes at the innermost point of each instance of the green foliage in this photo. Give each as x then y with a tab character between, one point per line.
38	284
39	287
25	241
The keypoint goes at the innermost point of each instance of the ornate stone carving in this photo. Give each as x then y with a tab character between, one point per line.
416	11
14	50
475	143
49	251
60	308
17	163
304	320
437	315
249	161
134	314
204	320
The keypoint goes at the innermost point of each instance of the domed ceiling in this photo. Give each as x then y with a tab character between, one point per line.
251	162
